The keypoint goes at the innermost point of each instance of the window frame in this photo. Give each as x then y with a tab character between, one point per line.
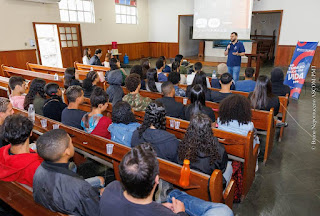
76	11
126	14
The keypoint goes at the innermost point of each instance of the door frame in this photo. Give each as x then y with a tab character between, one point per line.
48	23
179	16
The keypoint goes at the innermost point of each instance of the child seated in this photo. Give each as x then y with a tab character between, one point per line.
17	161
54	106
94	122
71	115
58	188
17	85
136	101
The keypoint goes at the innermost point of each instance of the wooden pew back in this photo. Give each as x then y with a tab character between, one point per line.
80	66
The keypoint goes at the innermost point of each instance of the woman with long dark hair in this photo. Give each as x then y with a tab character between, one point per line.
86	56
200	79
70	77
198	103
137	69
262	97
202	148
153	130
145	64
90	83
36	96
152	81
123	123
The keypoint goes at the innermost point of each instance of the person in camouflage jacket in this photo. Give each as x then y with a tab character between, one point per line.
136	101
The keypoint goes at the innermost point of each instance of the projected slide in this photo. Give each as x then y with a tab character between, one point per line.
216	19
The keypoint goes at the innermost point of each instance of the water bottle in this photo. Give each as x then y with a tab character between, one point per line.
126	59
214	74
185	174
56	77
31	113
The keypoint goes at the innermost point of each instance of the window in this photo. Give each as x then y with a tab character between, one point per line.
126	11
77	11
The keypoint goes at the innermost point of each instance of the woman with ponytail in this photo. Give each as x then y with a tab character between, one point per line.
152	81
36	96
90	83
198	103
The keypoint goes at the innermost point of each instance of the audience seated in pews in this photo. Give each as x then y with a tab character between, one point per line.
262	97
95	60
176	68
70	78
137	69
115	65
36	96
58	188
161	76
71	115
173	108
114	90
200	79
246	85
198	103
86	56
17	161
123	123
95	122
197	68
153	130
174	78
183	69
17	85
277	78
136	101
145	64
139	174
202	148
53	106
152	81
215	81
90	83
5	111
166	68
107	59
225	82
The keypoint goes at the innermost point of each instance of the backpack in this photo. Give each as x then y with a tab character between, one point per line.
237	176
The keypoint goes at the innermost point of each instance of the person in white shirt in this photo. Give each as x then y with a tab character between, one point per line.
107	60
86	56
197	68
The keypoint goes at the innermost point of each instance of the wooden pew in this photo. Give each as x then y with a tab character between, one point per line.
21	200
170	172
80	66
4	86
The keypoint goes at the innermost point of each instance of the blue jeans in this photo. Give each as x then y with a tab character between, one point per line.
234	71
198	207
94	182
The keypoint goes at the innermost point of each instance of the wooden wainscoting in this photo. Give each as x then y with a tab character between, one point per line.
18	58
170	50
284	55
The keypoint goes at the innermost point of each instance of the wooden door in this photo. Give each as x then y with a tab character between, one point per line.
70	43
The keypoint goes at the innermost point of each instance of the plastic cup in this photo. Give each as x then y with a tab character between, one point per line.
55	126
109	148
43	123
185	101
172	123
177	125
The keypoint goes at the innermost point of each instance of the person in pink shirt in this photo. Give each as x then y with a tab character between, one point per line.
18	87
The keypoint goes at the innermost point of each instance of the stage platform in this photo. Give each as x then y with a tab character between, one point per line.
214	61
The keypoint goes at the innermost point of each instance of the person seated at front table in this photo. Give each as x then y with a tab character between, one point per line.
36	96
90	83
277	78
152	84
161	76
225	82
17	85
95	122
200	79
166	68
95	60
123	123
153	130
173	108
58	188
71	115
53	106
174	78
246	85
107	59
86	56
215	81
139	175
198	103
71	78
136	101
197	68
17	161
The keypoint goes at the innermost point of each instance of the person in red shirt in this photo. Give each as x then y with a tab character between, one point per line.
17	161
94	122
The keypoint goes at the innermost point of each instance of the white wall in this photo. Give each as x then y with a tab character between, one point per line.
187	46
16	19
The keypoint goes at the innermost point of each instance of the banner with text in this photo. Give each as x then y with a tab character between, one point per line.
299	67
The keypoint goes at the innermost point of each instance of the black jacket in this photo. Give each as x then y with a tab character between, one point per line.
163	142
61	190
115	91
173	108
277	78
53	108
215	83
207	93
95	61
205	110
217	97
